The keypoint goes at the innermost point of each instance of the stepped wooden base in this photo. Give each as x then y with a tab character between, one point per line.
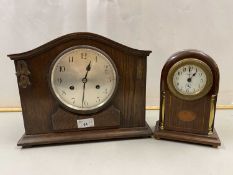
212	139
81	136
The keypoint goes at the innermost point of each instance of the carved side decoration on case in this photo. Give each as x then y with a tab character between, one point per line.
22	72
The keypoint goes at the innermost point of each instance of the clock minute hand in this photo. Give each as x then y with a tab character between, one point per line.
84	85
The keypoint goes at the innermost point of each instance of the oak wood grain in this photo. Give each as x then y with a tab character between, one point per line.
39	105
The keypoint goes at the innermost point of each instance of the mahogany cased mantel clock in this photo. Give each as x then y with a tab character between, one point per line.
189	88
81	87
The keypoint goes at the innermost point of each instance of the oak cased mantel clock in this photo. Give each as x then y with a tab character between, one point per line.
189	88
81	87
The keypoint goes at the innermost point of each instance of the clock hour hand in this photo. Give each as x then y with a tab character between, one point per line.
190	78
194	74
84	80
88	68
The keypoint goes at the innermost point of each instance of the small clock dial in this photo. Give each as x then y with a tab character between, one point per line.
83	78
189	79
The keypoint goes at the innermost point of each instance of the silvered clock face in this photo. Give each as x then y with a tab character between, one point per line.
189	79
83	78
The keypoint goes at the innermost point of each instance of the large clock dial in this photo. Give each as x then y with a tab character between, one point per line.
83	78
190	79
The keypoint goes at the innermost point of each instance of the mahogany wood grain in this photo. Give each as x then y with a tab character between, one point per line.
174	106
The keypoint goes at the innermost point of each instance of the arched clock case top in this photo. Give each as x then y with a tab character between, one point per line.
47	121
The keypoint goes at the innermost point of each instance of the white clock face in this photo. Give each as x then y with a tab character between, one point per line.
189	79
83	78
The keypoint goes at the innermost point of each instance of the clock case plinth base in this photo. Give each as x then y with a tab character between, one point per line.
82	136
212	140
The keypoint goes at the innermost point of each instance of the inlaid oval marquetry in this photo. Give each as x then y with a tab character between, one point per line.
186	116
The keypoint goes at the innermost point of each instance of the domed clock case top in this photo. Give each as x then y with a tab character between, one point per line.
188	95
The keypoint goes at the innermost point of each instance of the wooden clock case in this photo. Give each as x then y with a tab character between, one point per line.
47	122
199	130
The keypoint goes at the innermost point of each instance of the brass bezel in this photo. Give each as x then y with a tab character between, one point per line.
199	63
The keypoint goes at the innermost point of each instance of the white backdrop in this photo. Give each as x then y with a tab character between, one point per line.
163	26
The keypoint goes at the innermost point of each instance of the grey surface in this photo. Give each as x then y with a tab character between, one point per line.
137	157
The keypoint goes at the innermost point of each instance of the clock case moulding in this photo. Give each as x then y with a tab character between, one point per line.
201	130
47	122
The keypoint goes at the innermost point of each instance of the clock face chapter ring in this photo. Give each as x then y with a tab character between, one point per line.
190	79
83	79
